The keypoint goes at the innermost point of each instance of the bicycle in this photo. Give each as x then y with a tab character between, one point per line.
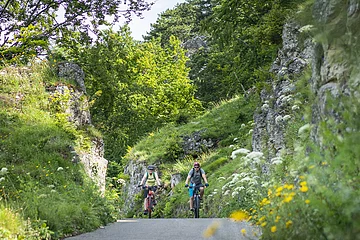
196	200
150	199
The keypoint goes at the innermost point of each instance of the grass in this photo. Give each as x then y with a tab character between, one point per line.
39	180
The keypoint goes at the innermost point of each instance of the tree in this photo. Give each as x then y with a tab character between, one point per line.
136	88
27	26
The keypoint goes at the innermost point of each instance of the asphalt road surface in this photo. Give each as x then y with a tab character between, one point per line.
173	229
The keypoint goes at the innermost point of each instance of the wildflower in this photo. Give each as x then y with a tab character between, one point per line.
279	189
3	171
273	229
60	169
262	219
243	231
303	187
286	117
265	107
278	119
263	224
239	151
239	216
269	193
2	179
307	201
288	223
265	201
211	230
295	107
277	218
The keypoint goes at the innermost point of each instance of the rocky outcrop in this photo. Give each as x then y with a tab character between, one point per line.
334	72
136	170
278	104
72	101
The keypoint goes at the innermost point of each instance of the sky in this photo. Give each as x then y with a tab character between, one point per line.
139	27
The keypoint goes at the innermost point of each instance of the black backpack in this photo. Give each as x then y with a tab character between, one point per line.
192	175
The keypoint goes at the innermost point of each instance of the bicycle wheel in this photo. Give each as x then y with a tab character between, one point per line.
150	207
197	206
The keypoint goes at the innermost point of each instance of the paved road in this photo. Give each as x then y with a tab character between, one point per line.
172	229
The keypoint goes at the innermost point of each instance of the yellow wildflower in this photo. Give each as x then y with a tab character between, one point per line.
265	201
273	229
263	224
239	216
288	223
304	188
277	218
279	189
211	230
243	231
288	199
307	201
304	183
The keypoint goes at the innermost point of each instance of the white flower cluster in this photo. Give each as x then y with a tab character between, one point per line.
303	131
3	171
239	183
121	181
253	157
242	151
306	28
265	107
276	160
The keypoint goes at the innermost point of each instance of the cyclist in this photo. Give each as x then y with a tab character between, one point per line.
195	176
149	179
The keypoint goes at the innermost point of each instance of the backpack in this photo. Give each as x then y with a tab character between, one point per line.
192	175
147	175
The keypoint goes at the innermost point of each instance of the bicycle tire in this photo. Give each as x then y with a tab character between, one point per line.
197	206
149	206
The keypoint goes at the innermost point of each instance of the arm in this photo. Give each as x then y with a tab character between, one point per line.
143	180
157	179
204	177
187	179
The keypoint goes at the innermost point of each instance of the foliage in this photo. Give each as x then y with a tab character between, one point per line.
28	26
135	88
219	124
183	21
39	180
240	41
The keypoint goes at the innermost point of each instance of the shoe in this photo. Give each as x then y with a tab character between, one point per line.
145	212
192	209
155	202
200	198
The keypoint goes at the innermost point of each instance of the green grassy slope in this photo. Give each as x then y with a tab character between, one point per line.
38	180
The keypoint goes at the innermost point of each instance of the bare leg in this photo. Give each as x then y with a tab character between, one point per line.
201	192
191	202
144	203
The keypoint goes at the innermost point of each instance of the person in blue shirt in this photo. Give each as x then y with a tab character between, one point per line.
196	176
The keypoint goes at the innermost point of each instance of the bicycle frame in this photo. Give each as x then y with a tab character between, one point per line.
196	201
150	199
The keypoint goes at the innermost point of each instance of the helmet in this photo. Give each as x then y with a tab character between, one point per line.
196	164
151	167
